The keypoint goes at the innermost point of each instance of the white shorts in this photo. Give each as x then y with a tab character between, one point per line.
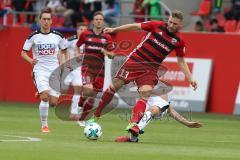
42	83
74	78
157	101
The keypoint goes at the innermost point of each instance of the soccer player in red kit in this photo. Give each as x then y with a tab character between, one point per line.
142	64
96	45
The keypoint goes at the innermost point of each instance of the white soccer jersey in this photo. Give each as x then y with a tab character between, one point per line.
45	47
72	41
74	77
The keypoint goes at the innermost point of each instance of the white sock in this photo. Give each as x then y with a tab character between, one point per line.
147	117
43	110
74	105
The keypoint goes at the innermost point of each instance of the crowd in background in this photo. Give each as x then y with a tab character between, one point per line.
67	13
72	11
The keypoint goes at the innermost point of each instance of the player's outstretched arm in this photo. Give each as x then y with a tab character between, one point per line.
184	67
173	113
126	27
30	60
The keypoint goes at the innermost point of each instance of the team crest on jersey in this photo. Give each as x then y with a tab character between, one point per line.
46	49
174	40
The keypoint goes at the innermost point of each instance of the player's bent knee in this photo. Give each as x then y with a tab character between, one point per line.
145	91
44	96
155	110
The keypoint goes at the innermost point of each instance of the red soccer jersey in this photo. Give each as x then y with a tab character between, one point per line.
158	44
94	43
93	58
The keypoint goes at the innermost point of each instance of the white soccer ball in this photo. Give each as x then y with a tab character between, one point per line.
93	131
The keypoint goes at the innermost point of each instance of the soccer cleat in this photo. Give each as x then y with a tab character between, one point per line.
45	129
125	139
81	123
134	130
130	125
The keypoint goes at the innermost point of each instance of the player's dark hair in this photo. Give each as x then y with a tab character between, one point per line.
45	10
98	13
177	14
81	24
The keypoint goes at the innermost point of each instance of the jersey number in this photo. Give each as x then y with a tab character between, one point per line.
124	73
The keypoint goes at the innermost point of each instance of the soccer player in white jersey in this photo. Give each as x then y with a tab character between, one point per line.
74	78
157	106
45	44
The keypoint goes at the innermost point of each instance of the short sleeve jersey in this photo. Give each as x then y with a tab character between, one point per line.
45	47
158	44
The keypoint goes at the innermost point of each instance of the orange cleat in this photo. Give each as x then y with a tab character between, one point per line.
45	129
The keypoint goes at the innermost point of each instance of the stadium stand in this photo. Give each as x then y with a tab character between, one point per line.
204	8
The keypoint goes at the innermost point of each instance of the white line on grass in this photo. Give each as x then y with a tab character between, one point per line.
21	139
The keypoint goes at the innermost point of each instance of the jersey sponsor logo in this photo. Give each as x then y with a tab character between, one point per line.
94	47
162	45
46	49
103	40
123	73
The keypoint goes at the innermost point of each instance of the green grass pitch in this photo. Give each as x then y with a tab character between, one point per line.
163	140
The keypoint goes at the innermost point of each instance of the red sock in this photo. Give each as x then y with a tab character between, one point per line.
105	100
138	110
87	106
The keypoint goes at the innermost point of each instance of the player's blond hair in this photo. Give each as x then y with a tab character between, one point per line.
177	14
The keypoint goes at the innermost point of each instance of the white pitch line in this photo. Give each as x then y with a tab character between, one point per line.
21	139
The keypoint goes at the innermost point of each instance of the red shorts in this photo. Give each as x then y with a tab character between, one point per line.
139	73
96	78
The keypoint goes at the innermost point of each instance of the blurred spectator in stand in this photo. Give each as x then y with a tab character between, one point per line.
86	11
19	6
56	6
29	7
111	11
215	26
83	14
97	5
234	12
72	6
154	9
6	7
217	7
138	10
199	27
